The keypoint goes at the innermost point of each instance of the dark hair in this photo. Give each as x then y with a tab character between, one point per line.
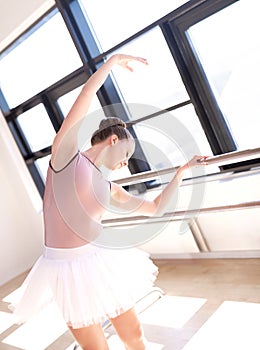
110	126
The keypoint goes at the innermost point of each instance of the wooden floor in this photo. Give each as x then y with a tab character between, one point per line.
208	304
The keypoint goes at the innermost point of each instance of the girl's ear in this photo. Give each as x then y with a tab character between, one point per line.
113	139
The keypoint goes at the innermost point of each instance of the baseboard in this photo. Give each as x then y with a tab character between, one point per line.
237	254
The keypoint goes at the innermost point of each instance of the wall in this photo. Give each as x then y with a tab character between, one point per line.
16	16
21	225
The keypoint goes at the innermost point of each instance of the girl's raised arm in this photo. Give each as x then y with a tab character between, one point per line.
65	144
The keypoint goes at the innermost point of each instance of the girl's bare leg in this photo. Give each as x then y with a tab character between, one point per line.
129	330
90	338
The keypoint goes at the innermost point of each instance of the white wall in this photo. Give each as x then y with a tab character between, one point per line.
16	16
21	224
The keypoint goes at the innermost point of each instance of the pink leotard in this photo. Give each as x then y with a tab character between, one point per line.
74	200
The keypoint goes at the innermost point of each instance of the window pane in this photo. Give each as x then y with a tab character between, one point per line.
46	56
42	165
124	19
66	101
230	55
173	138
37	128
158	84
91	121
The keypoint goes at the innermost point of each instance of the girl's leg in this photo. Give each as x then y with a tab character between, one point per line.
129	329
90	338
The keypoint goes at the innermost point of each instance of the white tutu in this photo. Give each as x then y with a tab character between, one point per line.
89	284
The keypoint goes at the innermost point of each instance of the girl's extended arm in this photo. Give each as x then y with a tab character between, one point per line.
124	200
65	144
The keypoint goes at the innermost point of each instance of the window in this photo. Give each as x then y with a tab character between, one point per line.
90	122
114	21
189	54
37	128
42	58
173	138
228	46
159	84
42	165
66	101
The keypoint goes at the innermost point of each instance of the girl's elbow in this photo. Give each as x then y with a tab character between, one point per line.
156	210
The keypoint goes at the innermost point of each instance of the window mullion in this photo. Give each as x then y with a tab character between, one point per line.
79	29
53	111
20	138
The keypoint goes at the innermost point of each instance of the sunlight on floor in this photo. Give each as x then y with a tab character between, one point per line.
39	332
115	344
235	325
6	321
172	311
47	326
13	296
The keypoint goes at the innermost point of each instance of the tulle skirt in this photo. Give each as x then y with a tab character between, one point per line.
89	284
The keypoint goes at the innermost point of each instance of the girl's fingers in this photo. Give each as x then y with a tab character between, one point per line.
143	60
202	160
124	61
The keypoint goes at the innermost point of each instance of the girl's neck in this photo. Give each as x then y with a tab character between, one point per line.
95	154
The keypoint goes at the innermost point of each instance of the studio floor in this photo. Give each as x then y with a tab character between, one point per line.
207	304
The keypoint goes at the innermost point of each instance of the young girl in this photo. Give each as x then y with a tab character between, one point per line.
89	283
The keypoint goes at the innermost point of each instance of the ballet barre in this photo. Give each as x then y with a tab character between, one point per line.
176	215
222	159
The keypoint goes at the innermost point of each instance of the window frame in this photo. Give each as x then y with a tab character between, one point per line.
195	80
173	27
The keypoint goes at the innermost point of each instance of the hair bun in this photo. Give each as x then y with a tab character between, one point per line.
111	121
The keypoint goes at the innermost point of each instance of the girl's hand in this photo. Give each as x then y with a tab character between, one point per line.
198	160
195	161
124	60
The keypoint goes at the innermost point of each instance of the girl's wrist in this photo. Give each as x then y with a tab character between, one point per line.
183	168
113	59
180	171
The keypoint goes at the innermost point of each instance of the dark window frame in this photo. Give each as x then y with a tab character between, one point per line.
195	80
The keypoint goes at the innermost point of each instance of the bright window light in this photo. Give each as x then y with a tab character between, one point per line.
37	127
43	164
122	22
44	57
159	83
230	55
